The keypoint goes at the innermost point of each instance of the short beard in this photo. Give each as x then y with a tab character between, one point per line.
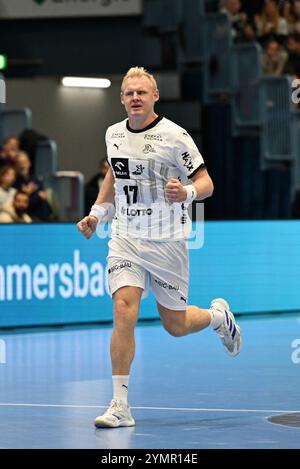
20	211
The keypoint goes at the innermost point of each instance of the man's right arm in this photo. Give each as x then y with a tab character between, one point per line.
107	191
87	226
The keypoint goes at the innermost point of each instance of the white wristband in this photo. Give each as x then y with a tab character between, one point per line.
99	212
191	194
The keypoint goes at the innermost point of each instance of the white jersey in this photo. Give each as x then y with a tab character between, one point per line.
142	162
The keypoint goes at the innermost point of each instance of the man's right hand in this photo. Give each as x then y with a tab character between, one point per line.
87	226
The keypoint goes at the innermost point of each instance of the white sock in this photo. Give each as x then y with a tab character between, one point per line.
217	317
120	385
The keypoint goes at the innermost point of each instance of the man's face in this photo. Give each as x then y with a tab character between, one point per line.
21	203
23	163
273	50
8	177
233	6
139	97
11	148
291	45
271	8
297	8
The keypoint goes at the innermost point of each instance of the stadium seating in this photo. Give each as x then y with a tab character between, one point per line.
2	92
246	75
192	33
217	54
46	159
69	189
162	15
278	120
13	122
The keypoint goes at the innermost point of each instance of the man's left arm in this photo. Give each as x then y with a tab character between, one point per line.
203	184
201	188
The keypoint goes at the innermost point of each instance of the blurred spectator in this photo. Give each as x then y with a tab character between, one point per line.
7	179
292	15
269	23
287	13
9	151
249	34
16	211
240	28
292	65
94	184
39	208
273	58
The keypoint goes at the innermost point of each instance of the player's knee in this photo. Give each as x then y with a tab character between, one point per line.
124	314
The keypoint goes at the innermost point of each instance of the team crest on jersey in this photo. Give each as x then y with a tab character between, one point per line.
187	161
149	149
120	167
139	170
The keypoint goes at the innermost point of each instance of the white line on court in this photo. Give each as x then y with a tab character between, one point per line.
181	409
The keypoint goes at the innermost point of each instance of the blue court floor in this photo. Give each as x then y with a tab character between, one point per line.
184	392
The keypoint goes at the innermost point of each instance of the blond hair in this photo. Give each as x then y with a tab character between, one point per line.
139	72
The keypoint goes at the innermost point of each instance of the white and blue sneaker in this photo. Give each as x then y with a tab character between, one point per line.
229	332
117	415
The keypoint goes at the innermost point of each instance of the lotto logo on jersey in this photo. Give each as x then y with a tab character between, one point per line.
121	168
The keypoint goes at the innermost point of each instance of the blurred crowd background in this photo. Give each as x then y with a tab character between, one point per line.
226	71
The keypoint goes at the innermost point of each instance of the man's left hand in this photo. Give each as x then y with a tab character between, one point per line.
175	191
